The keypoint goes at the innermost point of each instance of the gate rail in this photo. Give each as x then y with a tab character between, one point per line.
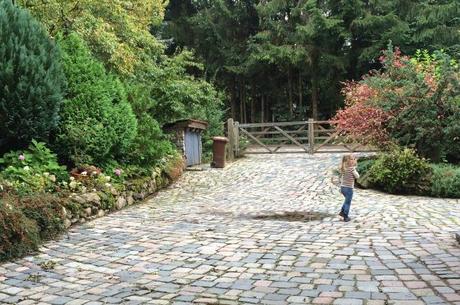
289	137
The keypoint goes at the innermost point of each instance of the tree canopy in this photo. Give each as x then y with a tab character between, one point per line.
286	59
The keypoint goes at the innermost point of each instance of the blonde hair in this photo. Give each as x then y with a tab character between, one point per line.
345	162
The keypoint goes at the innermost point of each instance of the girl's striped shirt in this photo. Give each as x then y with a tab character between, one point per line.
348	177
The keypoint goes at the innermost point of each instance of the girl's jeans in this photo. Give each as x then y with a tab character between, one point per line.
348	193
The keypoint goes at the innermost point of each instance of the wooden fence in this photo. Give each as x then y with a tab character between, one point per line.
288	137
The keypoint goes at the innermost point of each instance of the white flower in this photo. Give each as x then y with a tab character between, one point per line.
73	185
84	173
72	178
108	185
94	173
107	178
46	174
26	168
53	178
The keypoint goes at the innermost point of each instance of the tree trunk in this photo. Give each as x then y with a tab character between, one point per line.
233	101
314	97
300	92
245	113
314	85
241	103
253	104
262	109
290	91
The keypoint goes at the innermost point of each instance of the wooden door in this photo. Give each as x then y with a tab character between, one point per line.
192	147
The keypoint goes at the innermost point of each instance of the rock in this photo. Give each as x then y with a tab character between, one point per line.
457	236
78	199
82	220
121	203
130	200
100	213
74	220
64	212
114	191
88	211
152	187
92	198
139	196
67	223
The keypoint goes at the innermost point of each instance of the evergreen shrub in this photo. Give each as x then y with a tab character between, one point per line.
97	123
32	81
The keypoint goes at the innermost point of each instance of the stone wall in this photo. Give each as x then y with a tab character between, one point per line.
87	206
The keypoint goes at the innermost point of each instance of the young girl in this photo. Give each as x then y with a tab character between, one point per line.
349	174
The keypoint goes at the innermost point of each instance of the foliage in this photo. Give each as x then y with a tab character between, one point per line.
31	79
285	60
150	144
33	170
46	210
413	102
18	234
400	171
178	95
361	120
445	181
117	32
97	121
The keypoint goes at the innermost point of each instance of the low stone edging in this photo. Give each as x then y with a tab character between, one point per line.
94	204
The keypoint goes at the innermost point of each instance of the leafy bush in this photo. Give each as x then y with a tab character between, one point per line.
363	167
412	102
178	95
24	221
445	181
400	171
31	78
46	210
150	144
97	121
18	234
33	170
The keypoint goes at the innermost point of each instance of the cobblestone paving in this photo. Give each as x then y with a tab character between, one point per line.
197	243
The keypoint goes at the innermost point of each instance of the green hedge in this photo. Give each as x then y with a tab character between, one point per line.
409	177
445	181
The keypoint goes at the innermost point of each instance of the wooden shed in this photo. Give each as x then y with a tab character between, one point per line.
187	137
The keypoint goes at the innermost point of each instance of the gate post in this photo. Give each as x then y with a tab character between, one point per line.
311	135
231	139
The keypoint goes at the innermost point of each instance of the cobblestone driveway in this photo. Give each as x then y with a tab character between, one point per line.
198	243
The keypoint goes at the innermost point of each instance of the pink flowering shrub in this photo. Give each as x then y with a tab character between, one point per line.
412	102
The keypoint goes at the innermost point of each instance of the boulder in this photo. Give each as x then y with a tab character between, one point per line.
67	223
121	203
139	196
87	211
92	198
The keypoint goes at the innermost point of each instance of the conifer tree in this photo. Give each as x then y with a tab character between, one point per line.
31	79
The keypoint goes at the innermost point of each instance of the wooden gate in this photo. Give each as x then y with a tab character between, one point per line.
289	137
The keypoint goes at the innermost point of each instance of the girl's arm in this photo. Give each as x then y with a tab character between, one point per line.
355	173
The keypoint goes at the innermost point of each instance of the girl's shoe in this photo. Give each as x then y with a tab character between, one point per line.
341	214
346	219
